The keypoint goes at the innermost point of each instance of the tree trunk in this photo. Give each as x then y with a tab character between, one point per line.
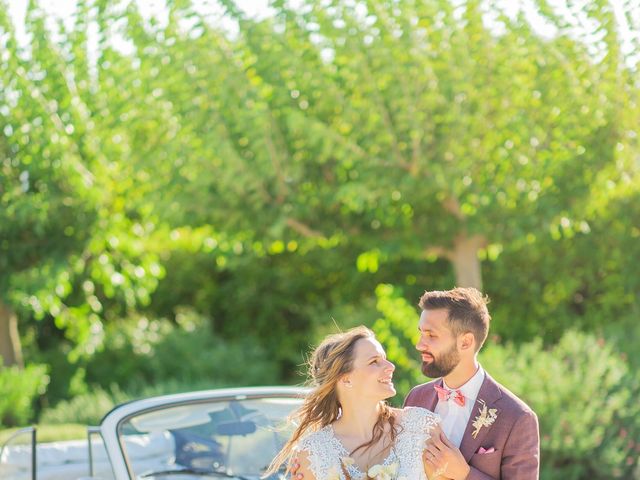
10	348
466	263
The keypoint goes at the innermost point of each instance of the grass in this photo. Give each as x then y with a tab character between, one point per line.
48	433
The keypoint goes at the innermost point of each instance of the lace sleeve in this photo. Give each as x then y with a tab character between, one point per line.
323	459
417	424
421	421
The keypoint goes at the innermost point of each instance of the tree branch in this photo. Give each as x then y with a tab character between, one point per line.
303	229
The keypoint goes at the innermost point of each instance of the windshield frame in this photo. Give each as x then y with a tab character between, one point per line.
113	423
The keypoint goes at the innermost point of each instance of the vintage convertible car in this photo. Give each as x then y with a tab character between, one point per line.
226	433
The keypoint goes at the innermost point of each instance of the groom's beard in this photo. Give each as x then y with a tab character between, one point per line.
443	365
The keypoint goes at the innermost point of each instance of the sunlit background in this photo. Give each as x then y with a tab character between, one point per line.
194	193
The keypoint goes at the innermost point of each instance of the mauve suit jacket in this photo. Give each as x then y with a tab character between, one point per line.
514	433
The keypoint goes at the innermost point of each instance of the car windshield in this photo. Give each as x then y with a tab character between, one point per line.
217	439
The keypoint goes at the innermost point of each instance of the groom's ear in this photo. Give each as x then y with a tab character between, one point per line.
467	341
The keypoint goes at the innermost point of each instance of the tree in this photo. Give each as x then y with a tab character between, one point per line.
68	242
362	133
410	129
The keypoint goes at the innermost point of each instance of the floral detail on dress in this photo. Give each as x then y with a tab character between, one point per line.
384	472
375	472
334	474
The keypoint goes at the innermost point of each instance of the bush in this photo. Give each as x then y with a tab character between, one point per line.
20	388
143	357
152	353
87	408
623	335
585	396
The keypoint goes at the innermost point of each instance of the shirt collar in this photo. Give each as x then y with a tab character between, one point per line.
470	389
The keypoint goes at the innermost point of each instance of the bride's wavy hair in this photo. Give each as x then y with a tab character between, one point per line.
329	362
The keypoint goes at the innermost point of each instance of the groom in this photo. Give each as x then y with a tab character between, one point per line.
488	432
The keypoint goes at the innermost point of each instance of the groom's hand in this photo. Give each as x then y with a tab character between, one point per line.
295	466
444	458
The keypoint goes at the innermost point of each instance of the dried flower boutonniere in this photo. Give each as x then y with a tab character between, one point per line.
485	419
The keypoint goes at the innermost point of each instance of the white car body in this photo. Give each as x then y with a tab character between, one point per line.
223	433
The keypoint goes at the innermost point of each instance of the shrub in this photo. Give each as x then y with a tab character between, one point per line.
147	353
171	386
585	396
191	353
20	388
86	408
89	408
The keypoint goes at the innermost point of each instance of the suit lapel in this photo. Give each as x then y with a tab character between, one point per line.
489	393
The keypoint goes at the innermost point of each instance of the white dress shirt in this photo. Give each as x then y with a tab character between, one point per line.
454	417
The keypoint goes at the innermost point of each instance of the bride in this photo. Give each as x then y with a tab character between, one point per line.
345	429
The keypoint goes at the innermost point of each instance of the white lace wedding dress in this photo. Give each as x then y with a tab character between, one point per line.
325	451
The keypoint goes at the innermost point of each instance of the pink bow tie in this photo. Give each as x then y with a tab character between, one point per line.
444	394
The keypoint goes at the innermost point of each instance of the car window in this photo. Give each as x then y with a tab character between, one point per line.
233	436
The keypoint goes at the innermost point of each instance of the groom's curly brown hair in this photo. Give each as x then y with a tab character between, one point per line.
467	310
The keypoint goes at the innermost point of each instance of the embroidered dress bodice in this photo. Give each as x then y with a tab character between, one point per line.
325	451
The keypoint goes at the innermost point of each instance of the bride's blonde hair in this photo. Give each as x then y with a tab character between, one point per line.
329	362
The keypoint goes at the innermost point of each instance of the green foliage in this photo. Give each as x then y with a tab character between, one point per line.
49	433
413	132
176	386
277	190
90	407
398	333
66	379
146	352
20	388
623	334
71	247
585	396
86	408
585	278
284	292
397	130
142	357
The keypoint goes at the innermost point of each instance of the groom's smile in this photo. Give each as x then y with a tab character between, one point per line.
427	357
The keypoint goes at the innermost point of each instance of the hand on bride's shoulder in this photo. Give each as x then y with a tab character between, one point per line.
300	467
